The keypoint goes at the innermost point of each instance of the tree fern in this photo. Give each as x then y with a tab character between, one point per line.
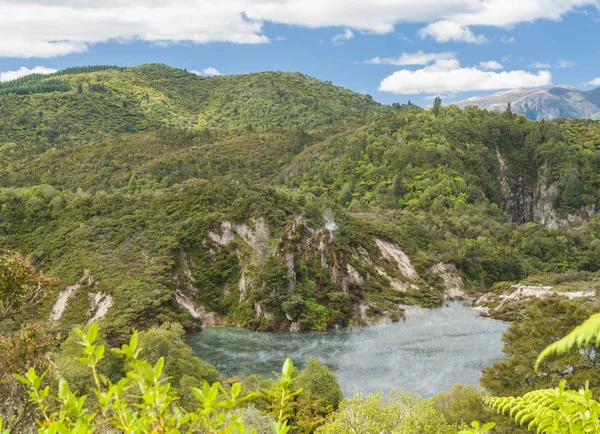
582	335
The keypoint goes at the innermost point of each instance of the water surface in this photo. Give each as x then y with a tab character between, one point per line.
428	353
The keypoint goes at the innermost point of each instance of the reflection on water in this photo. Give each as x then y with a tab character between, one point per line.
429	353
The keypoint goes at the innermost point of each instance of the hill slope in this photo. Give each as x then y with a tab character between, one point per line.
537	104
76	106
286	228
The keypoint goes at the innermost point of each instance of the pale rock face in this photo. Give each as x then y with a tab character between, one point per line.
226	235
522	292
193	308
294	327
243	287
396	284
354	276
100	303
392	252
289	262
258	238
63	297
209	319
324	249
452	280
61	302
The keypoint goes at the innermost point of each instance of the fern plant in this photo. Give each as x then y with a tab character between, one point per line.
553	410
557	411
582	335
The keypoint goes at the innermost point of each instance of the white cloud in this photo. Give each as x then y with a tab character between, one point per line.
508	39
451	31
451	79
491	65
23	71
344	36
207	72
540	65
418	58
594	82
565	64
49	28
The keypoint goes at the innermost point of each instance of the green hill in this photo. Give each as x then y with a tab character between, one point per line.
191	216
85	105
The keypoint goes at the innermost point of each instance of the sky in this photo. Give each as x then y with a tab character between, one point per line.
394	50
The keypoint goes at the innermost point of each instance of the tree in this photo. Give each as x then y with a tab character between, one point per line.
558	410
437	104
544	322
508	112
21	284
318	382
396	414
20	351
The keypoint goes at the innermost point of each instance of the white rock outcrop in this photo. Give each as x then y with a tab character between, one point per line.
393	252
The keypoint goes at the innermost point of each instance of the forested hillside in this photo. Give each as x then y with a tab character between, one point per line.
84	105
274	201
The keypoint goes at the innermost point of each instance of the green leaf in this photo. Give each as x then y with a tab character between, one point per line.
92	333
582	335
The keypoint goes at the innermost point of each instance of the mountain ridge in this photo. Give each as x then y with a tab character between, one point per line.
561	101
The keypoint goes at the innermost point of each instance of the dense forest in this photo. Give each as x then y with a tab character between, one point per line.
159	200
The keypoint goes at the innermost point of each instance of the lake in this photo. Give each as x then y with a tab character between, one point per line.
428	353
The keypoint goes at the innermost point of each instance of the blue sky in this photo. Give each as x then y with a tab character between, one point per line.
424	47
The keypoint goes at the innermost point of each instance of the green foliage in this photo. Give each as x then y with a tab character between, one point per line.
553	410
396	414
21	284
142	401
317	382
543	322
557	410
478	429
582	335
170	156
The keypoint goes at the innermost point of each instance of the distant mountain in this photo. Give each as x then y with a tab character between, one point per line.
536	104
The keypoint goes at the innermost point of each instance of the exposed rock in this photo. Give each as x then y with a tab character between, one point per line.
324	248
226	235
396	284
524	204
243	287
213	319
294	327
354	276
452	280
289	262
63	297
209	319
501	306
192	307
100	303
258	238
393	252
61	301
185	266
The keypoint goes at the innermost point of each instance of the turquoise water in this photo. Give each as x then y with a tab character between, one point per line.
428	353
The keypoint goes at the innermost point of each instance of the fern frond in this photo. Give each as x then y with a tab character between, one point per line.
582	335
548	410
